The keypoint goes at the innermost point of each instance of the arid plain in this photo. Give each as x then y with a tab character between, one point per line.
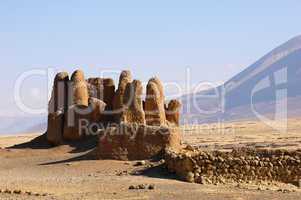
31	171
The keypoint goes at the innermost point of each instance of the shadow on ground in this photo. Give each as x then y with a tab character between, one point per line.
91	155
159	171
86	150
40	142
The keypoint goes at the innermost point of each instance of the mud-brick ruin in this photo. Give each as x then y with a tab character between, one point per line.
128	126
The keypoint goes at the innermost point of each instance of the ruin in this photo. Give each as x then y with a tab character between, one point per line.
242	165
133	128
129	127
154	103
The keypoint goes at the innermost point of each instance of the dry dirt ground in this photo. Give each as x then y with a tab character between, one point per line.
226	136
69	172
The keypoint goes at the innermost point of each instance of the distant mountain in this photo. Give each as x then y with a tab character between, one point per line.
270	86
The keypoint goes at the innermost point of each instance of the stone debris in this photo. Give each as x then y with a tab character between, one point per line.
151	187
140	163
7	191
17	192
122	173
142	187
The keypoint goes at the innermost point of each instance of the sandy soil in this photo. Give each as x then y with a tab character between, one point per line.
8	140
257	134
69	172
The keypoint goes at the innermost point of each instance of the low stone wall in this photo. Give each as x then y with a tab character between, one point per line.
242	165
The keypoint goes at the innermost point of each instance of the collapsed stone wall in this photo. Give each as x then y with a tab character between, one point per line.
242	165
96	101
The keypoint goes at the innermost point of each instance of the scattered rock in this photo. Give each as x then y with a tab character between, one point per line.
7	191
190	177
142	186
151	165
151	187
17	191
140	163
123	173
284	190
162	161
132	187
201	180
260	188
189	148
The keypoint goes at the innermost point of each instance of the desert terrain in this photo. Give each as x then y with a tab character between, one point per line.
31	171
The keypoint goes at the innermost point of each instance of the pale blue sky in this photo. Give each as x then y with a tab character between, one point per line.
215	39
